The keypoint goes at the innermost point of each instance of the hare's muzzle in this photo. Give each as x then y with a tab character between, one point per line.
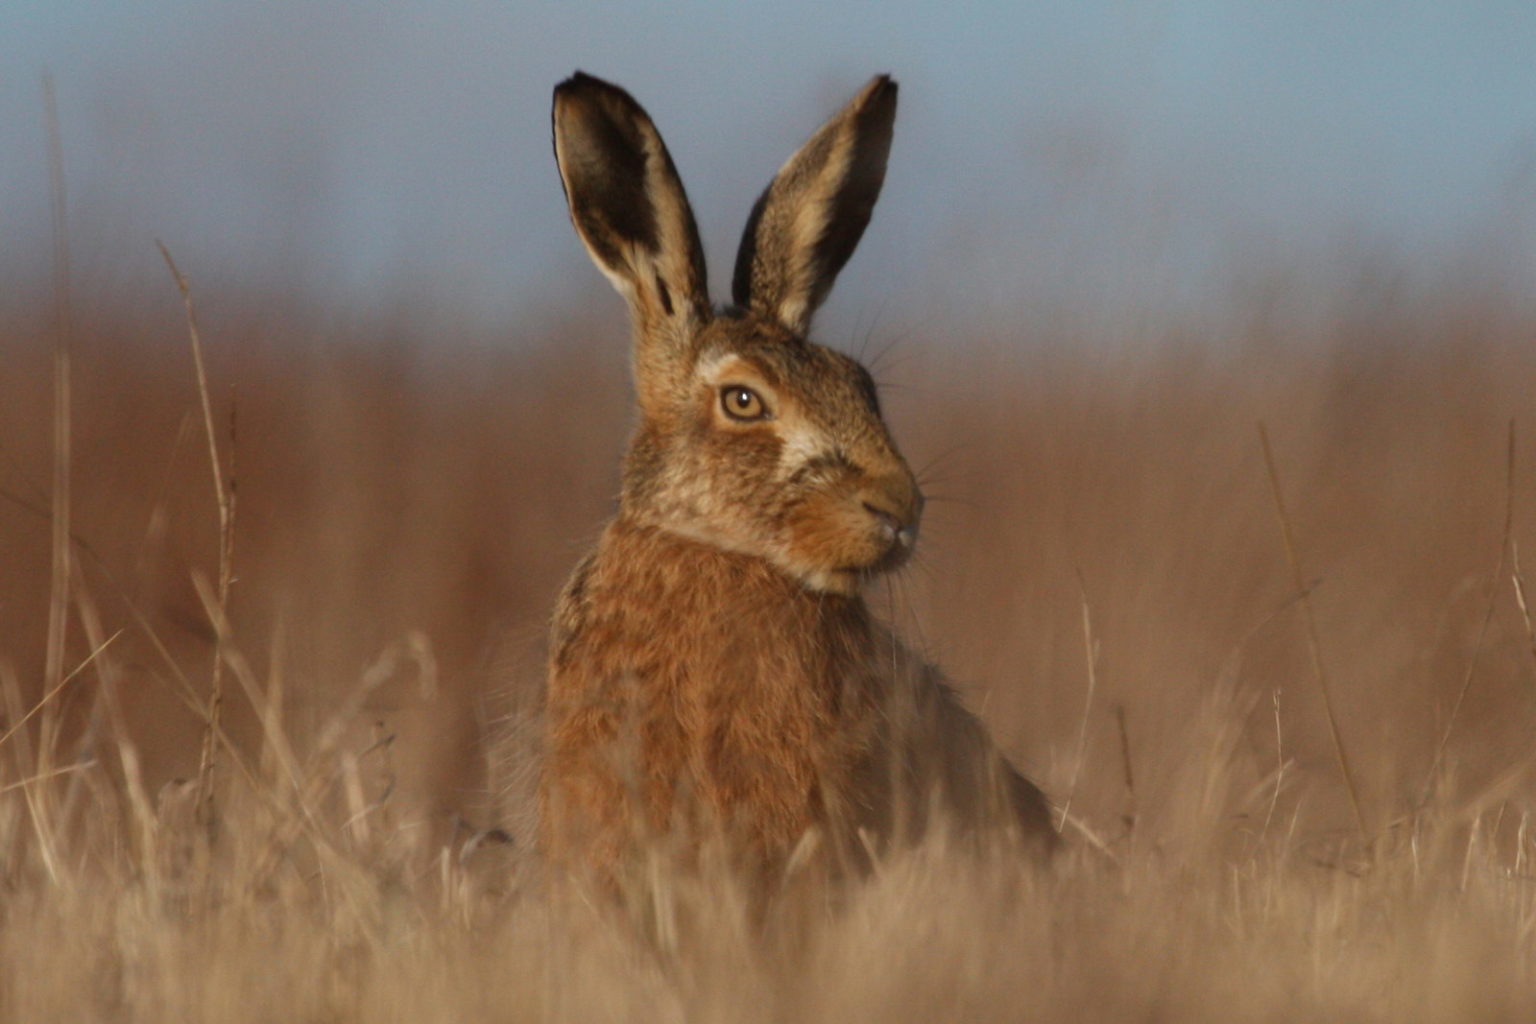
896	505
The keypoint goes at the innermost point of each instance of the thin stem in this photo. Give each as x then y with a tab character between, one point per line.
1314	649
1482	630
224	489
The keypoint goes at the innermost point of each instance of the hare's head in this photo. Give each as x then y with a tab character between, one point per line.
750	436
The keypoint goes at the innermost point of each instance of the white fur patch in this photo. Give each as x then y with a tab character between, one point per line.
802	443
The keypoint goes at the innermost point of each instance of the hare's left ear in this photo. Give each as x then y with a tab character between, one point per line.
807	222
631	213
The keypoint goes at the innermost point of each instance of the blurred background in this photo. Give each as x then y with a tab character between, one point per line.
1113	237
1106	157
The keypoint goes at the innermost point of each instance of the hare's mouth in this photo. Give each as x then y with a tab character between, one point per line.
896	554
838	545
897	535
889	546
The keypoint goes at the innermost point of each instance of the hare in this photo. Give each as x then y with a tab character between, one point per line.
713	669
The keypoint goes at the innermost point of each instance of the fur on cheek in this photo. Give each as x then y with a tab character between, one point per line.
825	534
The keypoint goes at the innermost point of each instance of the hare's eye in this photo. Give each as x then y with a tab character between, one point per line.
742	403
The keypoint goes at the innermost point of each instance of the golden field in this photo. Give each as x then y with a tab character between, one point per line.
1104	572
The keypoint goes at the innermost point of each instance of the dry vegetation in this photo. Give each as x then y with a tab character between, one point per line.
405	507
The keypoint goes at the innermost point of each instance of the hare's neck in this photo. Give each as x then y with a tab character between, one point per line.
689	577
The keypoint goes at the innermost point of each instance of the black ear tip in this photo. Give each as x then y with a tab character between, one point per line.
597	94
877	98
581	82
884	90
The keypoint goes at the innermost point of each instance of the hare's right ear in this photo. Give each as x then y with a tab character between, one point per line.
630	210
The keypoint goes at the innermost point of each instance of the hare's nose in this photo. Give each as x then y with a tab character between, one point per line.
898	515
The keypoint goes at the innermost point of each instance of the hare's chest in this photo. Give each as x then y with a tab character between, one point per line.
768	745
752	718
729	696
709	685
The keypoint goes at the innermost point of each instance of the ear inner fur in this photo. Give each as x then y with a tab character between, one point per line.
631	212
808	220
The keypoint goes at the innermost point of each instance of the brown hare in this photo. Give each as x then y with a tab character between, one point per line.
713	668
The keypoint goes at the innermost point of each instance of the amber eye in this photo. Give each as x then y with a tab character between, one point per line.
742	403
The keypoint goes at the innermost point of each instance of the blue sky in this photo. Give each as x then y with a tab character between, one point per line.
1085	155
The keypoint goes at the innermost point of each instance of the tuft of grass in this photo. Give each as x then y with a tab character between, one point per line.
327	921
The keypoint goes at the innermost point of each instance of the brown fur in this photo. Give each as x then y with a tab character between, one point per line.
739	698
714	670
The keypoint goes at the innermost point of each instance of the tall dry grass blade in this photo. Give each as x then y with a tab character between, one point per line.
52	773
145	826
1280	762
1087	832
224	490
47	840
294	807
58	604
1129	817
356	821
1091	651
1482	629
47	697
247	677
180	684
323	768
273	735
81	787
384	745
1520	599
159	520
1314	648
274	710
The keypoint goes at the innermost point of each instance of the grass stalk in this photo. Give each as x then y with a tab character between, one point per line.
224	490
1487	619
1091	653
1314	648
62	503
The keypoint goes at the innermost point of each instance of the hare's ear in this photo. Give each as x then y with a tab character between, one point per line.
630	210
806	223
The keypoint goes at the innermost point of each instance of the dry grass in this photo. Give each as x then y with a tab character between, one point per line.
408	507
